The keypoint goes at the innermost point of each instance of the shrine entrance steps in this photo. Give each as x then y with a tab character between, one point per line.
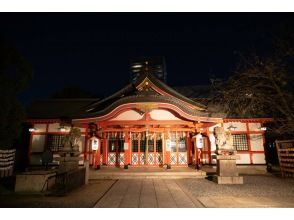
146	173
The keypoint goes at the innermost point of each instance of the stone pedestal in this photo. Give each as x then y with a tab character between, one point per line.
68	160
227	170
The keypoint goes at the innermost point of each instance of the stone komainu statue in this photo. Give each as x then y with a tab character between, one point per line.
69	155
71	140
224	141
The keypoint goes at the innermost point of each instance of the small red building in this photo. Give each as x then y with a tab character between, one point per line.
146	123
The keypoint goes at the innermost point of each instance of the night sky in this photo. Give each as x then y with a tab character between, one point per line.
93	50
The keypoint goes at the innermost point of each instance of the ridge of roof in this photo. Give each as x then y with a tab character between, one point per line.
176	93
131	87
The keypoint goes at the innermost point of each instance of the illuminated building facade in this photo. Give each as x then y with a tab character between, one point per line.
146	123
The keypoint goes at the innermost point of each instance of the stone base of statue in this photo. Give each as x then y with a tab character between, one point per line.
68	161
227	172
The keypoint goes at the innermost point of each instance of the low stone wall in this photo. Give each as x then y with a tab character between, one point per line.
35	181
70	180
42	181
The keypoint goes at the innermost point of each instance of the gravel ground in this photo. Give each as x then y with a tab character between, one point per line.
257	186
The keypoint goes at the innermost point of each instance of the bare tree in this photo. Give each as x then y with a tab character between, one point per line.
261	86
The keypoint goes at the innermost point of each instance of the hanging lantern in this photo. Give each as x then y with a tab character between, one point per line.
199	141
94	142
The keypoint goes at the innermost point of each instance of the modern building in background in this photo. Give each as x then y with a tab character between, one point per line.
146	123
156	65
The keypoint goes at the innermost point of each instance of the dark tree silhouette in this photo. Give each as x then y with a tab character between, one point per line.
262	86
15	72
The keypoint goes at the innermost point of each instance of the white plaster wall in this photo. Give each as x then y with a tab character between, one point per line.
83	129
254	126
213	161
159	114
54	127
239	126
128	115
205	158
212	142
244	159
38	143
212	127
81	143
256	141
258	158
40	127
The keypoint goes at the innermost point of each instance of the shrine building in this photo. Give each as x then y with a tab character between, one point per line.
146	123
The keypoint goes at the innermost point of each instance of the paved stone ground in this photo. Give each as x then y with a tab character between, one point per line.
257	191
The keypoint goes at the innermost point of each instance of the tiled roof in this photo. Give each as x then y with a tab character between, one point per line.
57	108
83	108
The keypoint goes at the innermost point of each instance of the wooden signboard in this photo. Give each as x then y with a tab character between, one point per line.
285	150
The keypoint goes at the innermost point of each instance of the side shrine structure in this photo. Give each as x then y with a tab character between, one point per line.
146	123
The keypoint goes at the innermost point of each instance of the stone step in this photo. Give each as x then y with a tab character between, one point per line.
143	177
146	175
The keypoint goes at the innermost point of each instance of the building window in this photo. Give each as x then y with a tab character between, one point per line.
121	145
142	146
173	142
240	141
150	145
55	142
111	146
159	145
182	145
134	145
116	145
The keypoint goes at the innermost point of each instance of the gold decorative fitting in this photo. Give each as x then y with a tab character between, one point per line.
147	106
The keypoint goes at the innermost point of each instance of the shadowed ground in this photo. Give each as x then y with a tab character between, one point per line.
84	197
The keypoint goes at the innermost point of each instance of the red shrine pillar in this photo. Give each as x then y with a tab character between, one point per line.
189	150
195	152
97	153
105	148
127	148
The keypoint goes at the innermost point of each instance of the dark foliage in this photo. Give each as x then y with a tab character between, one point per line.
15	73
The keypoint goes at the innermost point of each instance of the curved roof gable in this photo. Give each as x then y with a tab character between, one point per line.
147	88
